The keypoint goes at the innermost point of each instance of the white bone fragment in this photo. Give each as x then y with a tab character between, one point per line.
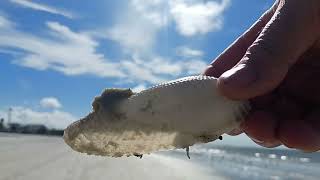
176	114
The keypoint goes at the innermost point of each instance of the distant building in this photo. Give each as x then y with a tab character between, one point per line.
35	129
14	127
2	124
28	129
55	132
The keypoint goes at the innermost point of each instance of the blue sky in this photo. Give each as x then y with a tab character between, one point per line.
57	55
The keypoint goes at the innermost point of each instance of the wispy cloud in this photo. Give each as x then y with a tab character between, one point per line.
137	26
156	11
157	69
194	17
188	52
134	35
4	23
75	53
43	7
65	51
136	31
50	102
194	66
191	17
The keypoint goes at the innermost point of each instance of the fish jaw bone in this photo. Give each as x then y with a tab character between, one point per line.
171	115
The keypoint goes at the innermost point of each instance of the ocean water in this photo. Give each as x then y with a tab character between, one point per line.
254	163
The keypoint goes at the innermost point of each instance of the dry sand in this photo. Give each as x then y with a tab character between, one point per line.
28	157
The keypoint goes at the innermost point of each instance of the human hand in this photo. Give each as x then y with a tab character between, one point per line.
276	64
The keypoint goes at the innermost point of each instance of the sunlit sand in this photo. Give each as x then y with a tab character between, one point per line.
48	158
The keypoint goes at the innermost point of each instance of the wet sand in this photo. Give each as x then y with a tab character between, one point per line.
24	157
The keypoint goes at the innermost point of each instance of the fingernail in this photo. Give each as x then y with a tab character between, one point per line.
239	76
235	132
266	144
269	144
257	141
211	71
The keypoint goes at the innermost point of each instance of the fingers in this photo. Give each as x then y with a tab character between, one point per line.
235	132
269	130
300	135
232	55
302	80
314	119
286	36
261	128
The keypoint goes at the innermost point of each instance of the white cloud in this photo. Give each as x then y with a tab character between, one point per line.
136	29
137	72
194	66
137	25
50	102
136	35
187	52
43	7
74	53
159	65
4	23
65	51
193	17
55	119
156	11
139	88
156	69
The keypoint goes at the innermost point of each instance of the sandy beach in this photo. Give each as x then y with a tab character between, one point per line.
30	157
25	157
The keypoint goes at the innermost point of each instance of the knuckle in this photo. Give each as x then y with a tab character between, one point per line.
267	48
268	53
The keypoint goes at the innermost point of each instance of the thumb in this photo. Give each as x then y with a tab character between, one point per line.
289	33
